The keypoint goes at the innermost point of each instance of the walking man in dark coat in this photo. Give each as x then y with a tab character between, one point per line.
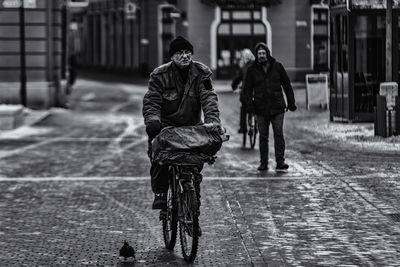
178	91
264	96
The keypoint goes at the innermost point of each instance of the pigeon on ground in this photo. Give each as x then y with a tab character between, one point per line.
126	251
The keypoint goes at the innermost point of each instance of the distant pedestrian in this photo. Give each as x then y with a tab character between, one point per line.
178	91
246	59
263	94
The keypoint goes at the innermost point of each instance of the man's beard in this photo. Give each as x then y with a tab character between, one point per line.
262	60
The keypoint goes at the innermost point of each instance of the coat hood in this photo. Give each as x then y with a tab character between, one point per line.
265	47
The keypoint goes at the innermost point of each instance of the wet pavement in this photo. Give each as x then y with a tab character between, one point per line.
75	185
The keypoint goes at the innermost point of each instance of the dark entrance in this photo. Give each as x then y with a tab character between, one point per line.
238	29
357	61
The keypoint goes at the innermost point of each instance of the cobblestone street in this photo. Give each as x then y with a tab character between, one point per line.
76	184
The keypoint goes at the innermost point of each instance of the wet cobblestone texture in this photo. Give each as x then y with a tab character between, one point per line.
74	186
278	222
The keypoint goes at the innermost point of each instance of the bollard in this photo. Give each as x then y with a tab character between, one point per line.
387	110
390	122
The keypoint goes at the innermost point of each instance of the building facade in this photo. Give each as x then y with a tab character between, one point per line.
133	35
358	56
33	52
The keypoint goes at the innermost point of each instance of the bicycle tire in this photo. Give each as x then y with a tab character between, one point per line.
170	222
253	136
189	225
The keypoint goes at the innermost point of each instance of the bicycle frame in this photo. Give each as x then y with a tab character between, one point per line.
176	170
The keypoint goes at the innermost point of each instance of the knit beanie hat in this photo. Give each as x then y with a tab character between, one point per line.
179	43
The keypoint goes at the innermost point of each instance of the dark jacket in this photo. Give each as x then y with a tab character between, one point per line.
263	90
173	103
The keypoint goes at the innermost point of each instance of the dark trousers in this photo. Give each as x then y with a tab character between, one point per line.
160	175
279	140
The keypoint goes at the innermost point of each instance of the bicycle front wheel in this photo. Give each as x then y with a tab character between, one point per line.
189	224
170	221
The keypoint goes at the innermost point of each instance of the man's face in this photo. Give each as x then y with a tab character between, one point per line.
262	55
182	58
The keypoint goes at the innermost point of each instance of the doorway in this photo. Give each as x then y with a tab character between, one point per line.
238	29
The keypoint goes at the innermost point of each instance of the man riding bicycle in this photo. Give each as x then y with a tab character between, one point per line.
178	91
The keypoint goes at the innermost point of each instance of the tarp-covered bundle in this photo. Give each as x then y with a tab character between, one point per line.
189	144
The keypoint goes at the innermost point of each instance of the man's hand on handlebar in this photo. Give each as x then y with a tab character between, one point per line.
213	126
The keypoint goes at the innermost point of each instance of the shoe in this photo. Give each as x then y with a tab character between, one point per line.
263	167
282	167
160	201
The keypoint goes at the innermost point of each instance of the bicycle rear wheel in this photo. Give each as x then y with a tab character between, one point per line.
253	136
170	221
253	128
189	223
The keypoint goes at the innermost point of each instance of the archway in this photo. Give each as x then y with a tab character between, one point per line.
237	29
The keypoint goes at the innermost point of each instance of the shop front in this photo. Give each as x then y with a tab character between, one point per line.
358	54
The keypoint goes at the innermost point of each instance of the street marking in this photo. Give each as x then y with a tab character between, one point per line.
115	144
70	139
25	148
212	178
130	101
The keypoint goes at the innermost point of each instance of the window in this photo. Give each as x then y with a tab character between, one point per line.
241	28
241	15
320	39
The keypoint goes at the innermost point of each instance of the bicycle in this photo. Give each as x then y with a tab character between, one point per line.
182	209
182	205
252	131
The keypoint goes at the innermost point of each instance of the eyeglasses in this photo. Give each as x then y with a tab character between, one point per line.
182	53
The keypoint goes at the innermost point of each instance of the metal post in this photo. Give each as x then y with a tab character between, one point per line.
139	39
389	12
22	53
